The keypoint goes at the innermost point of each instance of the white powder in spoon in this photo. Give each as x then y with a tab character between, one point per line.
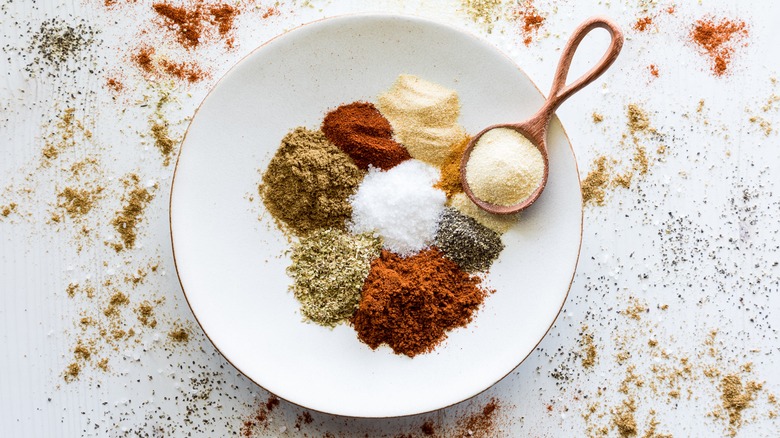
504	167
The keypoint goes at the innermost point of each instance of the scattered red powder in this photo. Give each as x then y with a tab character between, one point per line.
530	21
670	10
143	59
115	85
653	70
187	71
643	23
270	12
479	424
182	70
259	420
717	39
189	24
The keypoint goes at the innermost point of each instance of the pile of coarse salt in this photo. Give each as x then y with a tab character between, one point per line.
400	205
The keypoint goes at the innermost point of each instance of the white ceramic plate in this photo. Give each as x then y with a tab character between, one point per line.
232	266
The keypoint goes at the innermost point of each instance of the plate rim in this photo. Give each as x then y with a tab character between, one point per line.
381	15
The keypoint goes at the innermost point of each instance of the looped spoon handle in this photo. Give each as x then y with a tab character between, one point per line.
536	127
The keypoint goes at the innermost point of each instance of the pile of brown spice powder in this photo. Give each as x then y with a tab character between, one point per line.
717	39
308	182
410	303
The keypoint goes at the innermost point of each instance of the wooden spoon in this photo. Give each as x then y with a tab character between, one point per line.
535	128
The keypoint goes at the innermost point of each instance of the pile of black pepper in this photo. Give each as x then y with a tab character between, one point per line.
468	243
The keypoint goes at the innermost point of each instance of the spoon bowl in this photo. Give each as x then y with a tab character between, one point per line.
535	128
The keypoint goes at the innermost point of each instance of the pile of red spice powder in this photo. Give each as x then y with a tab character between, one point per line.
717	39
410	303
360	130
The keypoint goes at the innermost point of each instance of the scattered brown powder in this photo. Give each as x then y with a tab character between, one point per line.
623	418
589	352
638	120
595	184
76	201
67	130
6	210
163	140
126	220
145	314
179	334
117	300
717	39
635	310
762	123
736	397
597	118
72	372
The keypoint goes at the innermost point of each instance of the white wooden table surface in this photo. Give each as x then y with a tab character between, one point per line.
693	243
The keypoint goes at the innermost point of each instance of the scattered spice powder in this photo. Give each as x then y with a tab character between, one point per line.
595	184
154	66
115	85
653	70
481	424
6	210
78	202
187	22
410	303
623	418
597	117
259	420
126	220
530	20
486	12
589	348
428	429
643	23
737	397
717	38
145	314
67	130
180	335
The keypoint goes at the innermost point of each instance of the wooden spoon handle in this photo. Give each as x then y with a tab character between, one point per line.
559	91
